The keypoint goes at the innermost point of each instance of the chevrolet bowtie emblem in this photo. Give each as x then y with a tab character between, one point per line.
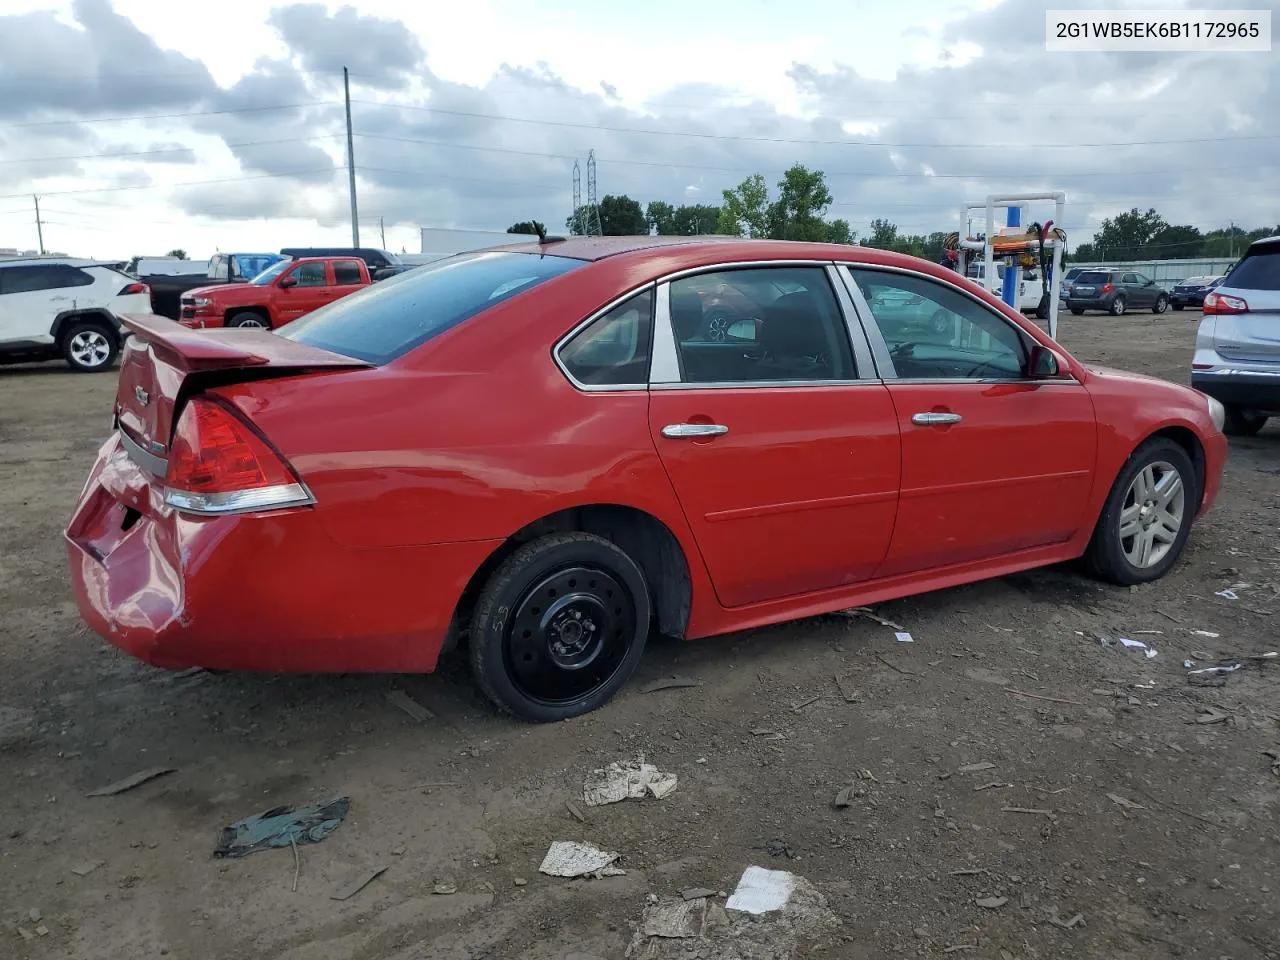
142	396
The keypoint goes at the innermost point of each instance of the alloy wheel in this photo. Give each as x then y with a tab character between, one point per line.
1152	515
90	348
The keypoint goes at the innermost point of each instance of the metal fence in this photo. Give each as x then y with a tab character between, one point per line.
1164	272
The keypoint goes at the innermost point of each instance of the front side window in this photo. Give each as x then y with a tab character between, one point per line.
387	319
760	325
935	332
1130	278
613	350
309	275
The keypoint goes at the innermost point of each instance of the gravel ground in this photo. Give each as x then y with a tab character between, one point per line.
1112	788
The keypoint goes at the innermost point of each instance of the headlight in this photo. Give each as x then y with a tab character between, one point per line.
1217	412
202	301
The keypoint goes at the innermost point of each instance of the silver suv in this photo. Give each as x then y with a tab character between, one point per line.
1237	359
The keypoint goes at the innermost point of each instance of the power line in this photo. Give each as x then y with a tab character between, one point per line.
168	116
166	150
701	135
166	186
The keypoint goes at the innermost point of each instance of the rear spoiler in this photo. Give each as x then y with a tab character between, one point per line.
200	350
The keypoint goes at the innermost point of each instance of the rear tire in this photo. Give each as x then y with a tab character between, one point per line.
1178	308
1243	423
1140	507
1161	304
1076	311
559	627
248	318
90	346
1117	307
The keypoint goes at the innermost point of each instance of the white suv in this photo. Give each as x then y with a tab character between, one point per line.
65	308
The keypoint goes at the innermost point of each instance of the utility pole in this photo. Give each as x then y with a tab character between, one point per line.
1232	235
39	225
382	232
351	162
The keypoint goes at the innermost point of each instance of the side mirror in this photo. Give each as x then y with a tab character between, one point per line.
287	282
1044	364
1149	283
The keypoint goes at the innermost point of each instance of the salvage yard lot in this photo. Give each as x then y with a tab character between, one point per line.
1117	790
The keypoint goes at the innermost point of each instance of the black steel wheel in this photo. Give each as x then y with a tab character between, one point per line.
559	627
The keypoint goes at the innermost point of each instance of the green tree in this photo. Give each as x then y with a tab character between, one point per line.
883	234
838	232
620	216
527	226
177	252
692	220
803	198
1125	236
1175	243
934	244
661	216
746	209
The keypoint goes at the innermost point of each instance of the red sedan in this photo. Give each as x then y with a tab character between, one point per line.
516	449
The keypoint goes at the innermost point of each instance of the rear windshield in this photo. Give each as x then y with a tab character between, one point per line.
1259	270
390	318
1092	276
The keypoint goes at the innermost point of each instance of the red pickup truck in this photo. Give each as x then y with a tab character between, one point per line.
283	292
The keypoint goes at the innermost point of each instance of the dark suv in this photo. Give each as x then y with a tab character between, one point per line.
1114	291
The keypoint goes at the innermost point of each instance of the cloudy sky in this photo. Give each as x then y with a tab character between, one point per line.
149	124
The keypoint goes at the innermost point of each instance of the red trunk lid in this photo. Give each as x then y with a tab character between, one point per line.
164	362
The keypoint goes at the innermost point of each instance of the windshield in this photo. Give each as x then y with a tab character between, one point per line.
269	274
393	316
392	258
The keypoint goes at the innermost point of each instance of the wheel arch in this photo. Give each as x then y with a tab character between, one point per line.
263	312
644	537
1186	438
67	318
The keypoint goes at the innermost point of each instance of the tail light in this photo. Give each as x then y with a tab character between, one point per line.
219	464
133	288
1220	303
1107	288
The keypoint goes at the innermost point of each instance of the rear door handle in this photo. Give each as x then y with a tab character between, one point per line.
676	431
933	419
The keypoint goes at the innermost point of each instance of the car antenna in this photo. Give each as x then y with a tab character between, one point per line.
541	231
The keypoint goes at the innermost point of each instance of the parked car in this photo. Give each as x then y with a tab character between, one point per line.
1237	358
285	291
61	307
1114	291
381	264
1029	288
168	288
515	446
1191	291
1067	278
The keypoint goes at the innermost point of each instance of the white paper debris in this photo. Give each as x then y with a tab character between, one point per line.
1149	652
677	919
1207	633
627	781
569	858
903	637
761	891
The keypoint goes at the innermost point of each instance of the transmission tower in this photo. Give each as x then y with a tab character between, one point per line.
578	219
593	226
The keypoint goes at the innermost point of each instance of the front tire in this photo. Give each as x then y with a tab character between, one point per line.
1243	423
559	627
90	347
250	319
1147	516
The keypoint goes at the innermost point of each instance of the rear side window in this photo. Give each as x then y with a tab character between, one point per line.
346	273
1259	270
45	276
613	350
389	318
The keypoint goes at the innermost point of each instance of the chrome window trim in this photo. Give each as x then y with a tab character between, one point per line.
864	357
880	348
861	357
578	328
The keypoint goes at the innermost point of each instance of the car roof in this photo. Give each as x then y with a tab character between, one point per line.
55	261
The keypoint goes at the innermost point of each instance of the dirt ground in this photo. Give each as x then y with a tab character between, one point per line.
1117	789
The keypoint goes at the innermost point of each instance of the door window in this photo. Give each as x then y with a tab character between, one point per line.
310	275
760	325
1130	278
613	350
346	273
935	332
45	276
